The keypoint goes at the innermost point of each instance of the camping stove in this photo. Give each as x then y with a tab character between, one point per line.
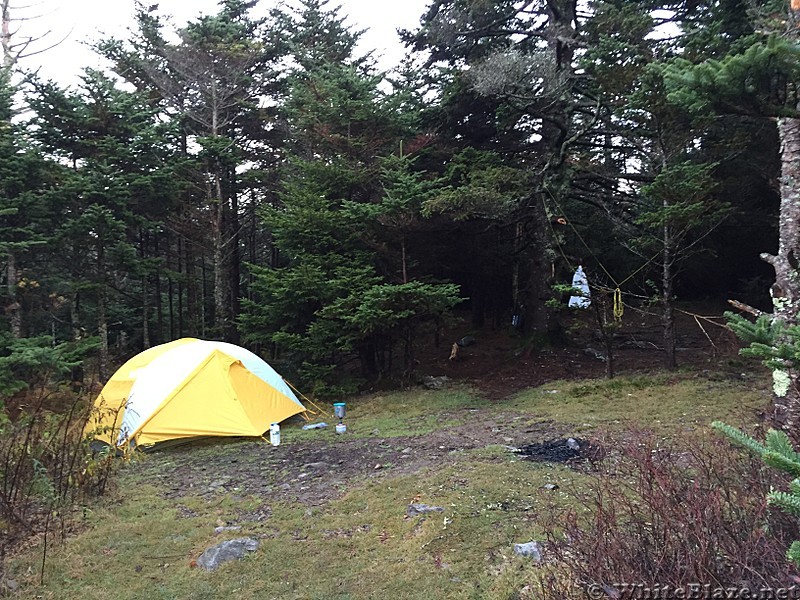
339	412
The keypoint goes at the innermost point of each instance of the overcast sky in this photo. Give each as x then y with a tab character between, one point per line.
82	21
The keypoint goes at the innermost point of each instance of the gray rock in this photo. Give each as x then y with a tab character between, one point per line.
465	341
595	353
435	383
314	465
529	549
550	486
422	509
227	551
572	444
315	426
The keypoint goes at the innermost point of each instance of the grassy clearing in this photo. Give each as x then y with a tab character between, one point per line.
140	545
360	546
414	412
655	401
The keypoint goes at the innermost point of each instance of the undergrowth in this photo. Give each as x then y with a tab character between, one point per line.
678	513
47	472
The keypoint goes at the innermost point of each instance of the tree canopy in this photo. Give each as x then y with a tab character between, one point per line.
259	179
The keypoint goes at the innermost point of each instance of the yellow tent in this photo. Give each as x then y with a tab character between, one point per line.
189	388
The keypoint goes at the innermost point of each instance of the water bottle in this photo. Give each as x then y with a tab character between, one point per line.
275	434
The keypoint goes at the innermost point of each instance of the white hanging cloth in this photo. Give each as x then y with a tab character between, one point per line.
579	282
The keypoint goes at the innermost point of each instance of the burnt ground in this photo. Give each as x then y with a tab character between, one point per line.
498	364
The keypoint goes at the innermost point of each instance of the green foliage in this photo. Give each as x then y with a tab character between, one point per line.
343	285
37	360
739	437
777	451
753	81
388	308
772	340
478	184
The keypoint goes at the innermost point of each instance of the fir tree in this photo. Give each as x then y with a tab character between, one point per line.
342	285
777	452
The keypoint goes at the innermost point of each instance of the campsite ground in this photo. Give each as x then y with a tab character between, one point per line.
330	510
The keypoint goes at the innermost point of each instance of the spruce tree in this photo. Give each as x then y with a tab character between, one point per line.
342	285
758	78
212	81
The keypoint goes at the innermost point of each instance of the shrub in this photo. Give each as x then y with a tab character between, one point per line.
661	514
46	471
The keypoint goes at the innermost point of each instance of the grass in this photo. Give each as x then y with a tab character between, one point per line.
139	545
397	414
654	401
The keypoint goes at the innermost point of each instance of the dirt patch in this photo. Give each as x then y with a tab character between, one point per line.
315	472
501	363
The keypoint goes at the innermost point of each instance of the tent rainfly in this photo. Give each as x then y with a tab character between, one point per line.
190	388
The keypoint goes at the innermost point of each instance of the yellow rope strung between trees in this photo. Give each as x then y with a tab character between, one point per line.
619	306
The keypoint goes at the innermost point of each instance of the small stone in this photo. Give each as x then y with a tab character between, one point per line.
406	450
435	383
465	341
529	549
378	467
550	486
213	557
315	465
572	444
218	530
422	509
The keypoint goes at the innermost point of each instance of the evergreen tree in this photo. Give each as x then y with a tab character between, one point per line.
758	78
514	91
116	180
339	289
777	452
214	81
25	216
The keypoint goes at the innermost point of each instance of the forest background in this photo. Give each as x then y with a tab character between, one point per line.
257	180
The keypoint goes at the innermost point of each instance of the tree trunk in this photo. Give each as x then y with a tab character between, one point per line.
233	265
145	294
786	289
667	290
403	252
14	309
220	307
145	315
158	305
560	34
191	290
102	330
74	316
179	258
